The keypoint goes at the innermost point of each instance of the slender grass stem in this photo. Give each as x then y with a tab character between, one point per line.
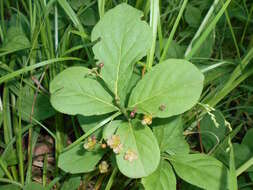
173	31
154	17
111	179
244	167
208	30
5	169
202	26
233	34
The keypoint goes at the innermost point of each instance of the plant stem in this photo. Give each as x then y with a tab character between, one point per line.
5	169
208	30
101	8
112	177
154	17
173	31
202	26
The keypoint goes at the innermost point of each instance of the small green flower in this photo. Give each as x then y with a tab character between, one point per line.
147	120
114	143
90	144
103	167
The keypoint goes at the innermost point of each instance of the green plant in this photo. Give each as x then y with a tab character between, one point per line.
134	107
206	145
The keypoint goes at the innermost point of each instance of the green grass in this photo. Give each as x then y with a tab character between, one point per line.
39	39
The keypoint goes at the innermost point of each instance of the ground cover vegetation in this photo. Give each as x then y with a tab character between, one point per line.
145	95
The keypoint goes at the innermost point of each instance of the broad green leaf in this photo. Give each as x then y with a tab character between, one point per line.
79	160
33	186
175	85
140	140
169	134
200	170
210	133
71	183
123	40
73	91
162	179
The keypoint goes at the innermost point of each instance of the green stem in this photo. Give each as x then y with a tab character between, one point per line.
233	34
5	169
101	8
154	17
244	167
173	31
202	26
208	30
111	180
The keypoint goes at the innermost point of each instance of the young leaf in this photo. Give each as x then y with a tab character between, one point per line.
162	179
73	91
200	170
124	39
170	88
79	160
142	143
169	134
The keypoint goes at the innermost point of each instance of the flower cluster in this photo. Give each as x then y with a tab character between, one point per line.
115	144
90	144
103	167
147	120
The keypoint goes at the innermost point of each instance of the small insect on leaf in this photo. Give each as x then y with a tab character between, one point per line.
162	107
